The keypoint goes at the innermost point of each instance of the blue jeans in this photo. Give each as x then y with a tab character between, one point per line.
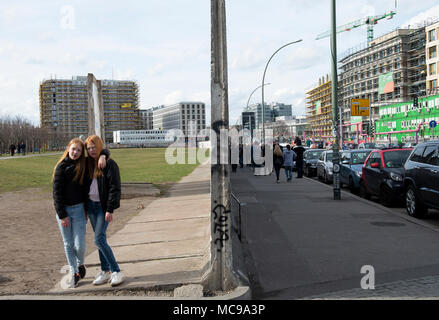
97	220
74	236
289	172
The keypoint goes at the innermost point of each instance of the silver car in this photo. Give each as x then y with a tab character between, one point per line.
324	166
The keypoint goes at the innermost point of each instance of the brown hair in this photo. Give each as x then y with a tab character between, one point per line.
277	151
93	168
80	165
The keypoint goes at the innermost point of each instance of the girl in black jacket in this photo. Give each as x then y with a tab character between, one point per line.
103	199
69	195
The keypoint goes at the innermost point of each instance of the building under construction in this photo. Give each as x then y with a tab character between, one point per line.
390	70
319	109
64	106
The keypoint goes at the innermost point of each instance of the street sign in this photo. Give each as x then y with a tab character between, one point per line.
433	124
360	107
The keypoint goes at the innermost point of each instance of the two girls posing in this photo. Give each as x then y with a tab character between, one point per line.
87	187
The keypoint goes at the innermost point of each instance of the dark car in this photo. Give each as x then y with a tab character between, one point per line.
421	179
310	158
383	173
367	145
351	167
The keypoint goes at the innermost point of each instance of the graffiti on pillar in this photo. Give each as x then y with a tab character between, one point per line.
221	225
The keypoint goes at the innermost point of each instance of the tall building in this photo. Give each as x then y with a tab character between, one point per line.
146	119
281	110
390	70
64	106
319	109
432	58
180	116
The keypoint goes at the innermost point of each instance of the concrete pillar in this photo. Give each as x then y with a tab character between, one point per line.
95	107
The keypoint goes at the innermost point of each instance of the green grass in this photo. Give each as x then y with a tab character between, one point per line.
136	165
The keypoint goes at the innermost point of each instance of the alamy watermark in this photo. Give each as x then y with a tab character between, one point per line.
67	21
368	281
227	146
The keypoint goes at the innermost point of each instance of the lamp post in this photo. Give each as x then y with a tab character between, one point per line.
248	101
263	80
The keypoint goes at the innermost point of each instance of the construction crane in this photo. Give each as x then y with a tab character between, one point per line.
370	21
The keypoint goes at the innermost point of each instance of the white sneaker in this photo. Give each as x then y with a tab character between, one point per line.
117	278
101	278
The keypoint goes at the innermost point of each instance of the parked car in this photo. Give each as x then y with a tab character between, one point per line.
409	145
324	166
351	167
382	175
367	145
310	158
421	179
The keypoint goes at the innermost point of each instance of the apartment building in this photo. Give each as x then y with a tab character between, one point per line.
146	119
390	70
64	106
319	109
432	58
180	116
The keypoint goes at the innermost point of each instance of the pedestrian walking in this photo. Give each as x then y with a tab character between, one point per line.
69	190
278	160
288	156
23	148
12	149
299	150
104	198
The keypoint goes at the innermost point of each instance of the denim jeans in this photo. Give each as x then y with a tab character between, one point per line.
289	172
74	236
97	220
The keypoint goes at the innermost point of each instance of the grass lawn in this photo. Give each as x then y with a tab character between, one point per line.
136	165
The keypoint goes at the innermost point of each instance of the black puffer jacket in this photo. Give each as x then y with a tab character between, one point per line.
109	187
67	192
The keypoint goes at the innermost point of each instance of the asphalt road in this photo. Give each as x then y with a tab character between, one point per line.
299	242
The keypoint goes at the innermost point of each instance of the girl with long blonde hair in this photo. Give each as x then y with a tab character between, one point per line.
103	199
69	195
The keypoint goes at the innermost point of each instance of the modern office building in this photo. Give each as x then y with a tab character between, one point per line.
432	58
390	70
64	106
281	110
181	116
146	119
319	109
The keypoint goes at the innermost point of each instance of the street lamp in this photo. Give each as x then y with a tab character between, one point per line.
263	80
248	101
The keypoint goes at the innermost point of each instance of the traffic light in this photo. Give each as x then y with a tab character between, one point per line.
415	101
372	131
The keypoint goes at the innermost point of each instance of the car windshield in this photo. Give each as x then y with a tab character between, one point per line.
313	154
395	159
329	156
359	157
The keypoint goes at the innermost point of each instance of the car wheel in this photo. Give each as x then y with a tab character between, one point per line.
414	207
306	171
386	197
325	178
363	191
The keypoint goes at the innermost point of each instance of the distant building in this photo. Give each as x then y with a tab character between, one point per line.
64	106
146	119
180	116
271	111
432	58
144	138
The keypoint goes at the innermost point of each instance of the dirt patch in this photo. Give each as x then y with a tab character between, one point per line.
32	251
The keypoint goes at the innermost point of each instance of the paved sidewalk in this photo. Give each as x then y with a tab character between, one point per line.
166	244
19	156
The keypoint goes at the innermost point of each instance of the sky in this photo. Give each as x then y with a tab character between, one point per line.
164	45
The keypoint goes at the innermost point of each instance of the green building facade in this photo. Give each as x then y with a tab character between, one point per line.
404	116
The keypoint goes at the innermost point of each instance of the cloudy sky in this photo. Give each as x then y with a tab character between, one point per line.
165	46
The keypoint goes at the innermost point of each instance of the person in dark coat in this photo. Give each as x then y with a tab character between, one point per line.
103	199
12	149
278	160
299	150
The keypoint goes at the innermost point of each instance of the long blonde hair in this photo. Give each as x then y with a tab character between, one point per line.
278	151
93	168
80	165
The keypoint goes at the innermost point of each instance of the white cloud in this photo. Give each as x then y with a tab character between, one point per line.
421	18
173	97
